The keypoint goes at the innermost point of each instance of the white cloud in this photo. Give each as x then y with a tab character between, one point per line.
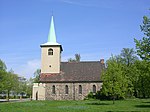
27	70
79	3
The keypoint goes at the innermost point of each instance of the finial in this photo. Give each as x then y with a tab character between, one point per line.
52	13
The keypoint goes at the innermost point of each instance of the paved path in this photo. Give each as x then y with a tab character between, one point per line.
14	100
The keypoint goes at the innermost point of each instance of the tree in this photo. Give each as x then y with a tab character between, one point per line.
114	81
71	60
25	87
2	79
29	85
2	65
142	68
143	45
77	58
37	75
22	86
128	56
10	83
142	82
2	74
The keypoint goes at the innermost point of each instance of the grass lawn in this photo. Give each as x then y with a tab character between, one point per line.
132	105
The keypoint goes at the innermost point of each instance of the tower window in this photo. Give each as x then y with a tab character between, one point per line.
94	89
66	89
50	51
80	89
53	89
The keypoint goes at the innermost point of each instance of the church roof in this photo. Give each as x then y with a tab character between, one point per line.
75	72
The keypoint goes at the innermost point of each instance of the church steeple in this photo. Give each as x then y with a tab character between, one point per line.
52	34
51	52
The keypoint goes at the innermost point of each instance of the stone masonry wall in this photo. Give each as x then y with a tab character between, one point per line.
73	90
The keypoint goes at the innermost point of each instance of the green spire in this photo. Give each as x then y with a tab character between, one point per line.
52	35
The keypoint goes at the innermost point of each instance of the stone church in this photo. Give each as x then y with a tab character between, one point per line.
65	80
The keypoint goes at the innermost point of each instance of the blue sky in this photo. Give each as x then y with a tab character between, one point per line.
94	28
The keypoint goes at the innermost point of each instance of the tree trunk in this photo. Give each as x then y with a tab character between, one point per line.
113	99
135	93
8	96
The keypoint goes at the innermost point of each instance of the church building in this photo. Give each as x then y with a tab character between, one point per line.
65	80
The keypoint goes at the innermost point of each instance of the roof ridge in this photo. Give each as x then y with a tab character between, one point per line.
80	62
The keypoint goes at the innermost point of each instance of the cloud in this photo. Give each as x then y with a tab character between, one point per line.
27	70
73	2
107	4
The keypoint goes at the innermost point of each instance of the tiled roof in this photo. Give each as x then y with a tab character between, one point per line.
75	72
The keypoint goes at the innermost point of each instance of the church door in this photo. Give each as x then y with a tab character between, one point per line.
36	95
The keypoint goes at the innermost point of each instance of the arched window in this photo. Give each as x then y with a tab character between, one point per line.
53	89
66	89
94	89
50	51
80	89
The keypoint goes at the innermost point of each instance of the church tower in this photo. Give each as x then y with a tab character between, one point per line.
51	52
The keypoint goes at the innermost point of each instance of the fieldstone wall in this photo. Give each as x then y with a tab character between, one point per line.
73	90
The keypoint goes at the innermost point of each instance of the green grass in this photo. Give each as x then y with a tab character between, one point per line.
132	105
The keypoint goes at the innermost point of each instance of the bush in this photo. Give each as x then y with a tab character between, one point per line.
101	96
91	95
2	97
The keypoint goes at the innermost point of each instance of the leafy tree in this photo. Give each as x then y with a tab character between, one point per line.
114	81
37	75
143	45
11	71
128	56
2	74
2	79
10	83
29	85
77	58
25	86
22	86
71	60
142	68
2	65
142	82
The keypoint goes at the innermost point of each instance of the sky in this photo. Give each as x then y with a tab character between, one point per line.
95	29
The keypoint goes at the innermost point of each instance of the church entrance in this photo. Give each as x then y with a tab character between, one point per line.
37	95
